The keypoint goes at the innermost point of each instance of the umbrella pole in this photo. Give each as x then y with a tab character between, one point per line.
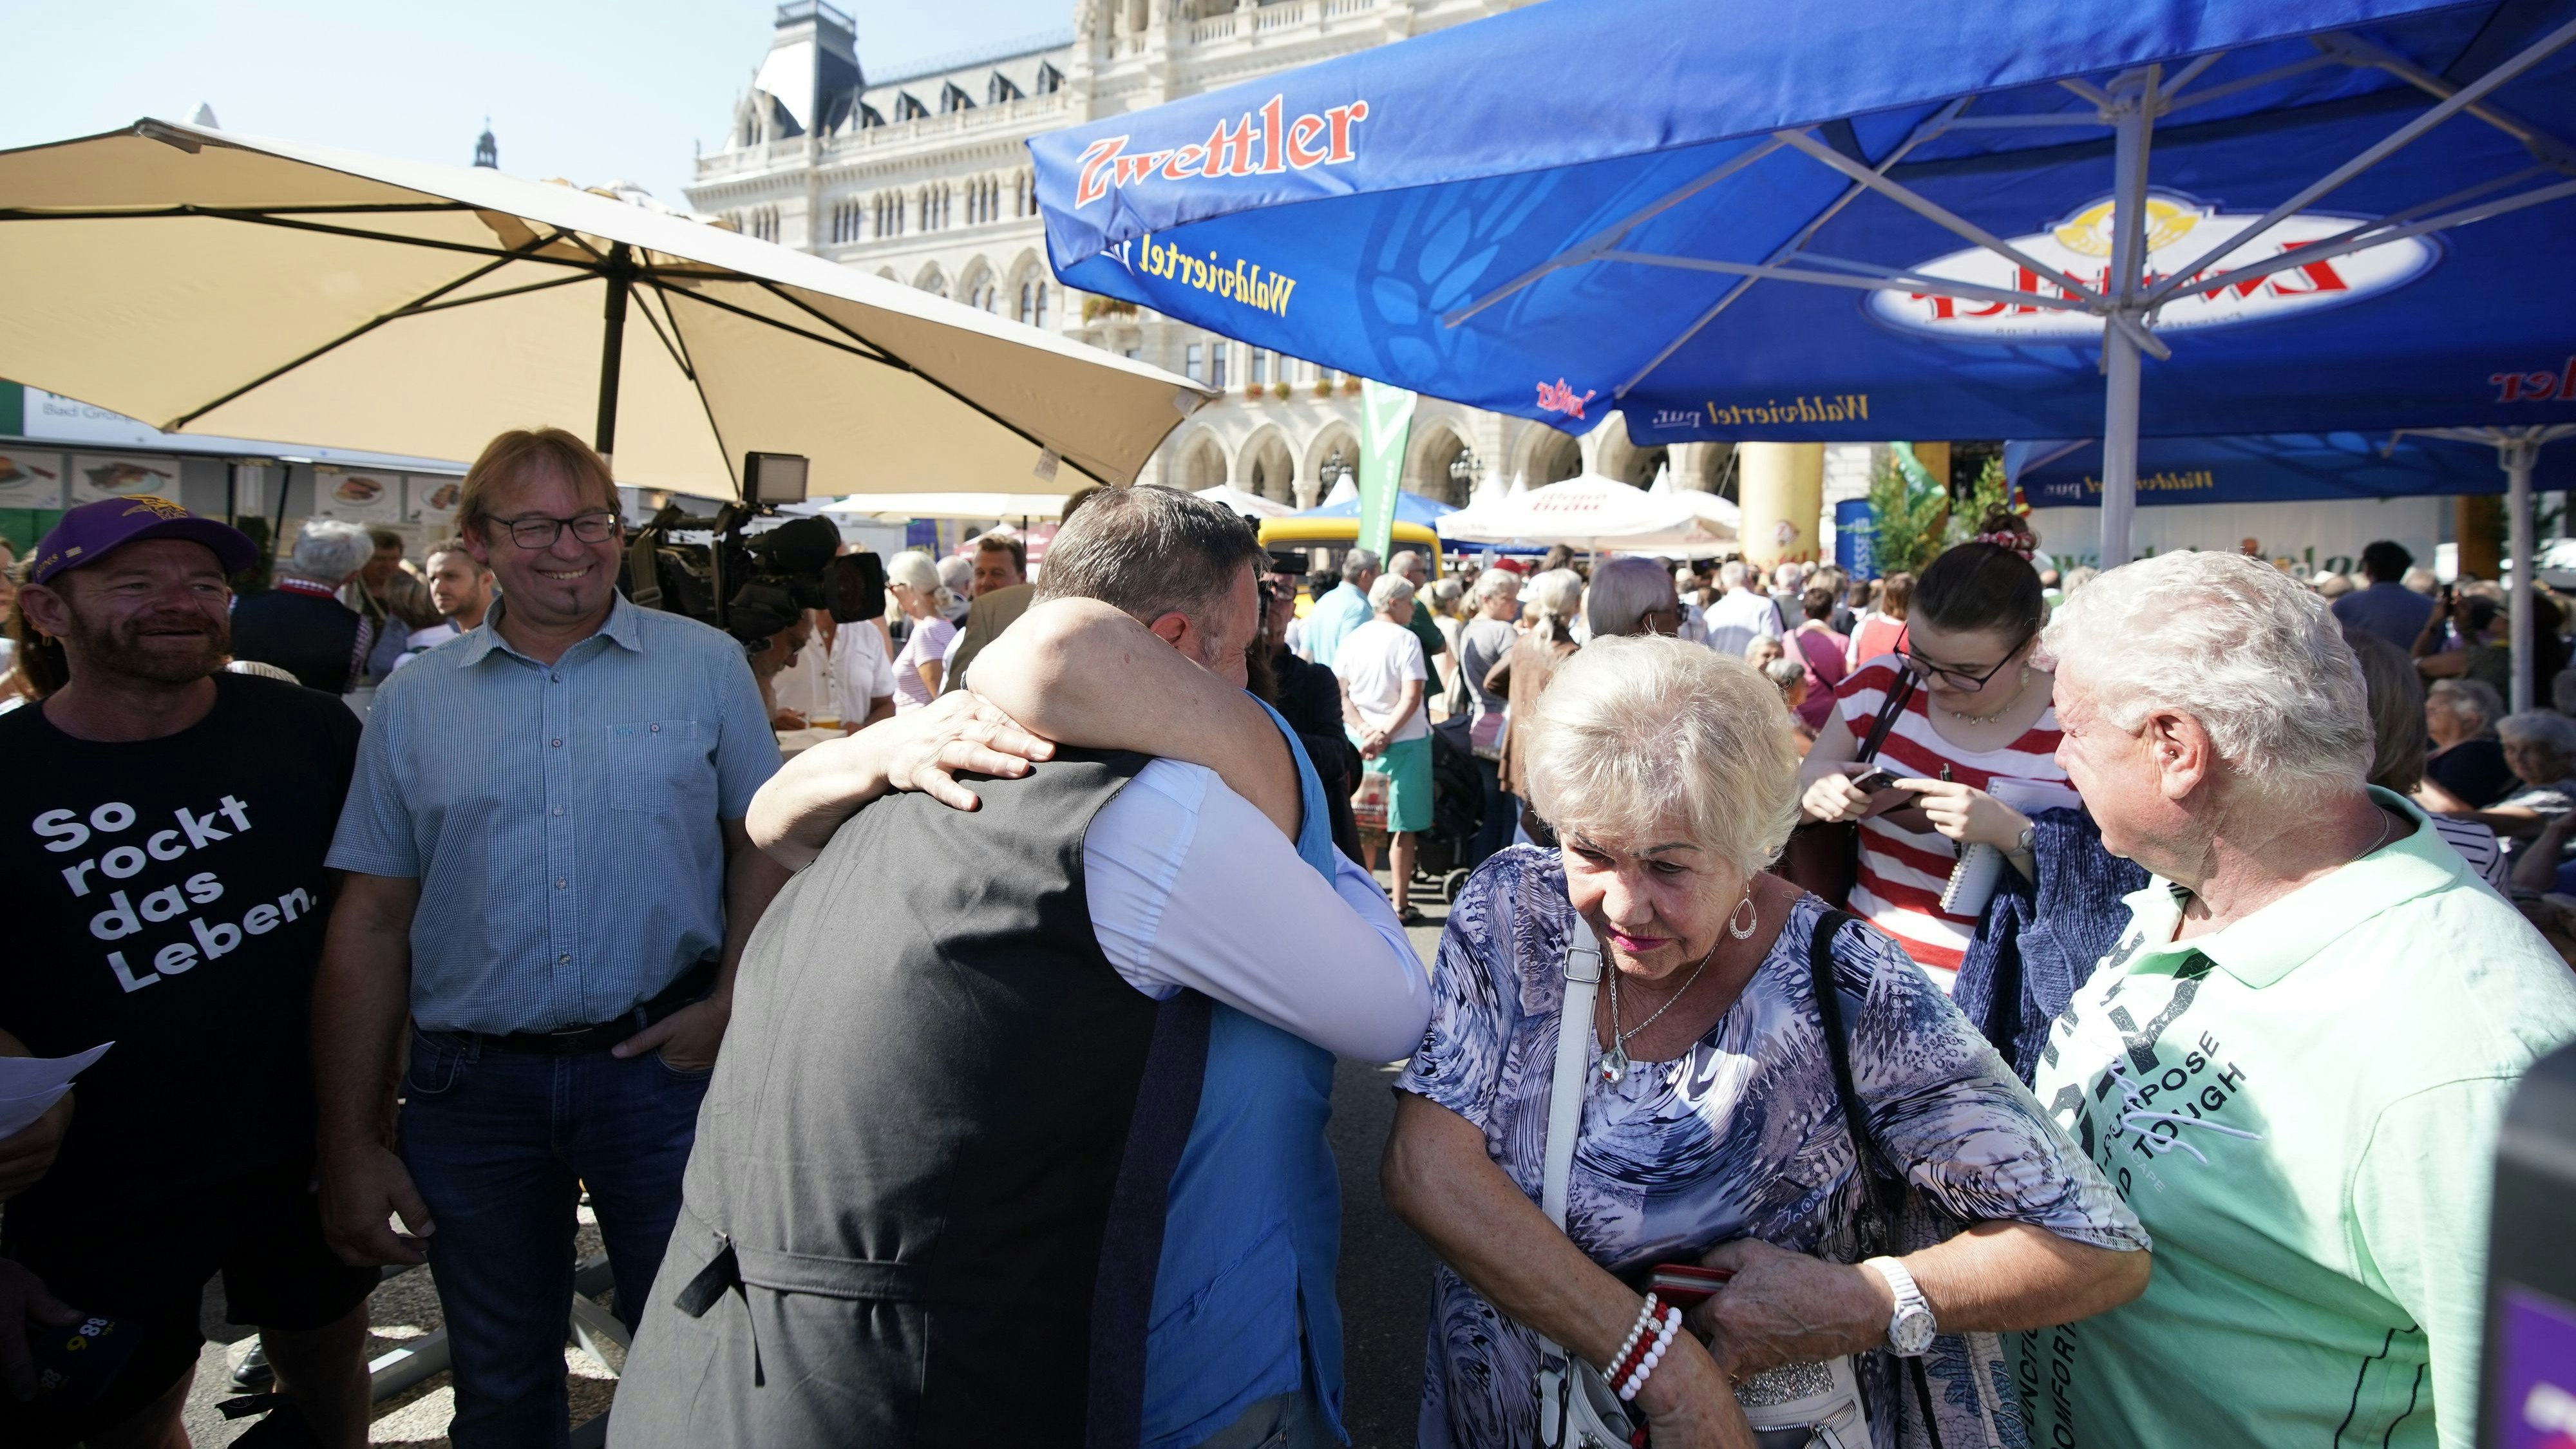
2516	453
612	348
2119	446
2133	121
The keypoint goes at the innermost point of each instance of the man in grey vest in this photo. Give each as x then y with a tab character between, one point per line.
930	1194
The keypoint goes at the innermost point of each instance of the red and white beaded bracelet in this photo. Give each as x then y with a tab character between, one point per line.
1640	1336
1654	1354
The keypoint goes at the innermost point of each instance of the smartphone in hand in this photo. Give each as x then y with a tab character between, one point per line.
1873	782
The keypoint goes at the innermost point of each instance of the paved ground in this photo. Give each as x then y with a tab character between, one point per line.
1385	1291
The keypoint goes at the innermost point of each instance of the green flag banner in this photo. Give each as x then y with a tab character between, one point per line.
1386	416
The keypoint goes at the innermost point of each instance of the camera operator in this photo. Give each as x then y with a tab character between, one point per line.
162	875
548	873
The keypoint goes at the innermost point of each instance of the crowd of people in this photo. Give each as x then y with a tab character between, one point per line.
1968	1007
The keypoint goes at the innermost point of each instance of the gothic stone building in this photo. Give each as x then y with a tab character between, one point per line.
923	177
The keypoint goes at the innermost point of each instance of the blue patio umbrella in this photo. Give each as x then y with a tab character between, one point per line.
1409	508
2288	467
2274	468
1838	219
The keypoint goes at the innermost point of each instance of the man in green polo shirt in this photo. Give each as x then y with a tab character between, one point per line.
2293	1064
1409	566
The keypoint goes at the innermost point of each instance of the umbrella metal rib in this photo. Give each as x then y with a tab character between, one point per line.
1948	115
361	330
1601	241
678	345
891	360
2386	147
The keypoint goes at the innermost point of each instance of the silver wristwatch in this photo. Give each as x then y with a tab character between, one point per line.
1910	1327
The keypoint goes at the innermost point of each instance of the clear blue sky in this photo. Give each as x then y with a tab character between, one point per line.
581	89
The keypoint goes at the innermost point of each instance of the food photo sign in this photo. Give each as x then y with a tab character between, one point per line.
432	501
98	477
357	497
31	480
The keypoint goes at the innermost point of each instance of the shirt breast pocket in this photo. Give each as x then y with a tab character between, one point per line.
657	766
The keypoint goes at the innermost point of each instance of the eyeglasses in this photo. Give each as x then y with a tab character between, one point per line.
1960	679
541	532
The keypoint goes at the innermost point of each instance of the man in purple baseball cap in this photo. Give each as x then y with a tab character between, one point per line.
162	873
87	534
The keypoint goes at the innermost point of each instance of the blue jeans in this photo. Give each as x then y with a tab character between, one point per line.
500	1145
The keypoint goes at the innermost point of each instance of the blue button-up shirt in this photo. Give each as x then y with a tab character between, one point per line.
562	820
1244	1304
1331	621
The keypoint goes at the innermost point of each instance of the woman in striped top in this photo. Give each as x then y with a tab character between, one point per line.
1977	727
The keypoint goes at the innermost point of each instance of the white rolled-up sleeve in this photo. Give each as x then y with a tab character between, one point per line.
1191	887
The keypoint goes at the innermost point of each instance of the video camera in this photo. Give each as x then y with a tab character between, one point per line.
751	585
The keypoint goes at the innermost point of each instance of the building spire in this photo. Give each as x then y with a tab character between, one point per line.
487	152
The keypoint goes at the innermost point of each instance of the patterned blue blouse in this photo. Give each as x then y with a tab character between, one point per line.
1742	1137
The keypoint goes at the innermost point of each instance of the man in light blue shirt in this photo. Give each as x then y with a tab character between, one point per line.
1346	608
547	873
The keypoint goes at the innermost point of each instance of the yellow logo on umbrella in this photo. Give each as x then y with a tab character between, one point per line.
2089	232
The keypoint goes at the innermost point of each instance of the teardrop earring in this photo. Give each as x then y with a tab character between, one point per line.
1747	909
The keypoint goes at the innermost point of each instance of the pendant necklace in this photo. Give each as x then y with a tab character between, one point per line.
2019	689
1614	1062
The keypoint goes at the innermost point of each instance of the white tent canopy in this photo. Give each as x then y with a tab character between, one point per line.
1241	502
1587	512
208	282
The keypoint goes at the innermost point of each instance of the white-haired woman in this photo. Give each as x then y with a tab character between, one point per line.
915	583
1386	712
1548	607
1482	644
1713	1128
2540	747
2466	769
300	623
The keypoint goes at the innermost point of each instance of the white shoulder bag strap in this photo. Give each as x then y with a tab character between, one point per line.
1575	1408
1573	1060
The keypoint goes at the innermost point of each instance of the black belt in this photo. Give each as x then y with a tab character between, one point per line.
574	1041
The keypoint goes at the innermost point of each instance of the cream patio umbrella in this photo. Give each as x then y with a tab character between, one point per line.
947	505
208	282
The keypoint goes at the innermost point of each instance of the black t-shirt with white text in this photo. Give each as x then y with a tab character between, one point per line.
169	895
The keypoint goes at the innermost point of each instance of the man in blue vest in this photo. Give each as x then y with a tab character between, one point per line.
1226	1332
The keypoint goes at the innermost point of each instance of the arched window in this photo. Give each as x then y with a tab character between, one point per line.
1028	304
1042	305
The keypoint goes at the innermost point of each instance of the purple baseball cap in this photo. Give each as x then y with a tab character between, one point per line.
90	532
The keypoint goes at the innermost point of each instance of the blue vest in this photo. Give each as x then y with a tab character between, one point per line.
1252	1229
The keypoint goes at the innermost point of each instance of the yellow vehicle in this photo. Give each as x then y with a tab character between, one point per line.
1337	535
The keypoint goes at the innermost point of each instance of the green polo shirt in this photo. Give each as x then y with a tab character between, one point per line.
2302	1109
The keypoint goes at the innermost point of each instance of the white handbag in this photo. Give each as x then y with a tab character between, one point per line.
1800	1406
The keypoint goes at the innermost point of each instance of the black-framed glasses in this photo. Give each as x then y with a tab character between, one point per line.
1960	679
541	532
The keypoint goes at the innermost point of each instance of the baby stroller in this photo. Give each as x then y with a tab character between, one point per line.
1457	810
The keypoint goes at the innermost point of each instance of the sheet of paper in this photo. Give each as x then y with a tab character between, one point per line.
17	1114
29	1085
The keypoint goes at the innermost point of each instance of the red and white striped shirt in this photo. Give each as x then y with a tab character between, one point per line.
1903	872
